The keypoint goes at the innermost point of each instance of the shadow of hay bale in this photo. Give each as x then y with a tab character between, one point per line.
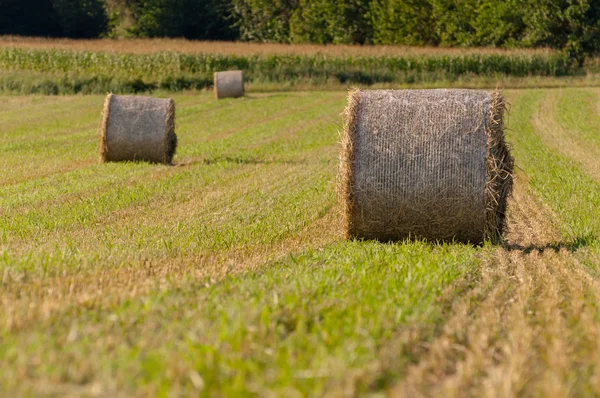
571	246
248	160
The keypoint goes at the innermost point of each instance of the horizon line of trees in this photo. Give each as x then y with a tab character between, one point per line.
570	25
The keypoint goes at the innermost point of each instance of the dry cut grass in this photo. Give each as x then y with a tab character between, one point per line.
148	46
502	338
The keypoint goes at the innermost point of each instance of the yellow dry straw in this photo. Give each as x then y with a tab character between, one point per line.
431	164
229	84
138	128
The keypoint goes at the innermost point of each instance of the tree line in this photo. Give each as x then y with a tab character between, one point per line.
571	25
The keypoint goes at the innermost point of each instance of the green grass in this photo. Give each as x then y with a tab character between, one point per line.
313	322
572	193
562	184
227	273
138	277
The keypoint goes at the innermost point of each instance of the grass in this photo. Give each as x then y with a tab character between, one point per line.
226	273
85	243
566	186
296	327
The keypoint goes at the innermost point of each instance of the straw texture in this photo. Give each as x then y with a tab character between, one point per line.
424	163
229	84
138	128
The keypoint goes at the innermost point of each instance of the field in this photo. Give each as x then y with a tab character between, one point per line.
37	66
227	273
153	46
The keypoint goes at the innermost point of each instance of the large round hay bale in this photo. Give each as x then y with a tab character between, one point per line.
429	164
229	84
138	128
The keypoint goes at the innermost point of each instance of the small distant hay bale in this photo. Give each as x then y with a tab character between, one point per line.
429	164
229	84
138	128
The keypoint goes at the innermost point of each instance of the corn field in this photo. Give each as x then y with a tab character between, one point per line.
54	71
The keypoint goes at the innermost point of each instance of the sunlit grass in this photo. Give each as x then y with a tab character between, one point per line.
227	273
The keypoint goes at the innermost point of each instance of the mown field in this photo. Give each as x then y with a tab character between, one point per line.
227	273
49	67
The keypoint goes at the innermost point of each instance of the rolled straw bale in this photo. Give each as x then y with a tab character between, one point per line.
432	164
229	84
138	128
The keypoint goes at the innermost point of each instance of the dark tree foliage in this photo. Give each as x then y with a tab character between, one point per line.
71	18
28	18
81	18
192	19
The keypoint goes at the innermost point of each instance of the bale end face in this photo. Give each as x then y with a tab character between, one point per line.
170	143
499	171
104	156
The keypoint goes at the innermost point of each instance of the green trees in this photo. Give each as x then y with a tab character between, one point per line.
570	25
72	18
331	21
408	22
264	20
80	18
498	23
573	25
193	19
197	19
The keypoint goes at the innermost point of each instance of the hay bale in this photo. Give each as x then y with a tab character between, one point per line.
425	163
229	84
138	128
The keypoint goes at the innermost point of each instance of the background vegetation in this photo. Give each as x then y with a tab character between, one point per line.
563	24
56	71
